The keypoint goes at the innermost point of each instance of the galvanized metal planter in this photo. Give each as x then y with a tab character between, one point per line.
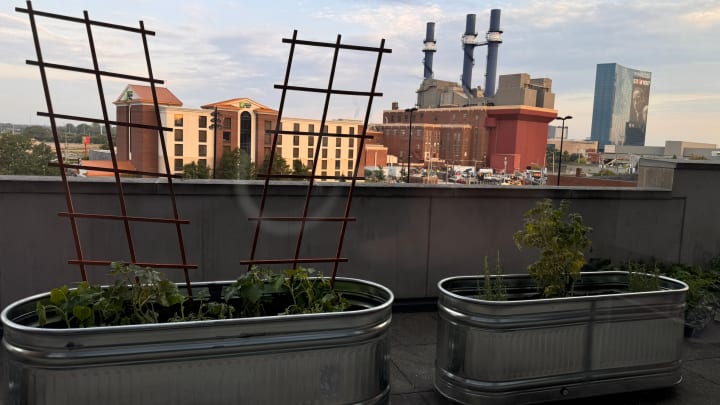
329	358
535	350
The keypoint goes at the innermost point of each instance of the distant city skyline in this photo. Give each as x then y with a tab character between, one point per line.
208	51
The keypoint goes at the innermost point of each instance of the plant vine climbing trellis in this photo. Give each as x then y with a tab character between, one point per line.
319	136
124	216
128	220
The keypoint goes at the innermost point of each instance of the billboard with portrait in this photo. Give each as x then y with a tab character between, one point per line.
637	121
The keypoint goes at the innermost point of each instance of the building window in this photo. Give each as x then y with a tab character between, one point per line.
202	150
296	127
178	135
350	173
311	141
202	135
323	173
337	173
227	123
350	154
350	164
245	128
268	133
352	131
325	129
178	120
296	152
338	142
311	153
311	128
178	149
202	162
324	165
337	153
178	165
226	149
351	142
337	165
226	136
338	130
296	140
309	164
202	121
278	151
325	141
324	153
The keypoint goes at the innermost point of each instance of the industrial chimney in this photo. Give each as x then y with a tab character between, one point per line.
429	49
494	40
469	44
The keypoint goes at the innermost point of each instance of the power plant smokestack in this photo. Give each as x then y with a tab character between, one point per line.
494	40
469	44
429	49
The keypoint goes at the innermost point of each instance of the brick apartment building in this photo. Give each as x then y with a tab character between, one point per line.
242	124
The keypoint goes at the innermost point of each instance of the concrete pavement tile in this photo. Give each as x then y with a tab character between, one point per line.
434	398
699	351
406	399
709	369
398	383
417	364
416	328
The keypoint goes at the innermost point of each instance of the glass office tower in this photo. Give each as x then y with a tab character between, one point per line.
620	105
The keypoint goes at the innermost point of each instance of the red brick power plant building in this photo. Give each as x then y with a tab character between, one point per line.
458	124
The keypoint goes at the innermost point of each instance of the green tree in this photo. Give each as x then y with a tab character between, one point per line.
18	156
196	171
279	165
299	169
38	132
235	165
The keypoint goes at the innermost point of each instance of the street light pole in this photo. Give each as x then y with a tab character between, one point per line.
215	123
562	135
411	111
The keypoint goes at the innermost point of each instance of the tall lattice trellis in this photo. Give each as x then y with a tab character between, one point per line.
123	216
262	217
328	92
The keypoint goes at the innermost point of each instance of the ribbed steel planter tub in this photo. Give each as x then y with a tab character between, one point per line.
536	350
328	358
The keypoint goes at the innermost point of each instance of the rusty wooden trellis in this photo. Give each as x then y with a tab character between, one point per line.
53	116
278	131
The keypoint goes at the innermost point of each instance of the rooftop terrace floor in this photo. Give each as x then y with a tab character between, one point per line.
413	336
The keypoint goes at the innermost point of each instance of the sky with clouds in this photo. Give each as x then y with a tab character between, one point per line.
214	50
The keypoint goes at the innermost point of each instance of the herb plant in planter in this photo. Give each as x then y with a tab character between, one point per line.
228	343
558	333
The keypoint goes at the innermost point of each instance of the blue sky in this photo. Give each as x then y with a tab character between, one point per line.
214	50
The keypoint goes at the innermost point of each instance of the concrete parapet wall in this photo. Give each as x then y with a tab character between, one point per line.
407	237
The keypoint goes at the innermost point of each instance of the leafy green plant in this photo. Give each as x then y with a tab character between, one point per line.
494	287
642	278
311	293
135	298
561	238
703	297
143	295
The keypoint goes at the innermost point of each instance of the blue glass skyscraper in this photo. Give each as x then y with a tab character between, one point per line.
620	105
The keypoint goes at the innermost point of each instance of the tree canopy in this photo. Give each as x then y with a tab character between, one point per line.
235	165
18	156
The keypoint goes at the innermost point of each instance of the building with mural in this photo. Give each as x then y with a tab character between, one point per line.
620	106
